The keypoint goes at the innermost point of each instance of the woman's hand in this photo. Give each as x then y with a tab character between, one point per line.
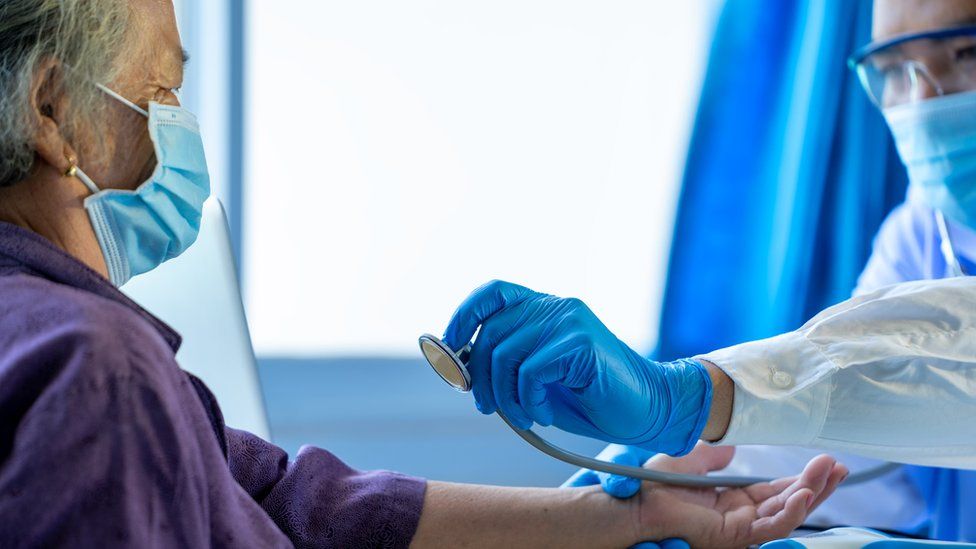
732	517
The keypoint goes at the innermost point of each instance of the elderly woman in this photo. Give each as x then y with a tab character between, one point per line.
104	441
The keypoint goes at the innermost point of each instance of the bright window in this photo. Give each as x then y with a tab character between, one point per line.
399	154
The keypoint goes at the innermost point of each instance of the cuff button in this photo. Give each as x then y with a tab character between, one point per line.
782	380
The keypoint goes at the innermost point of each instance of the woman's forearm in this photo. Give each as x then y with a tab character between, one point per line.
463	515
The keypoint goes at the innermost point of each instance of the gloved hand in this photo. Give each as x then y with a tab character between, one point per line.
548	360
673	543
615	485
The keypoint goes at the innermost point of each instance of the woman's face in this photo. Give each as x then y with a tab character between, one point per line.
151	69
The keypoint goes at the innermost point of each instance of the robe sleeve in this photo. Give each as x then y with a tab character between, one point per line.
94	450
319	501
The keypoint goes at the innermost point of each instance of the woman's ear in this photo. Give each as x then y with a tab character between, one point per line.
47	106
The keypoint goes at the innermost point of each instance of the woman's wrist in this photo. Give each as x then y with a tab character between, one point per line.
625	515
457	515
619	520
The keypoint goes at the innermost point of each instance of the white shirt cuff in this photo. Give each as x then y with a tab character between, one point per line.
782	390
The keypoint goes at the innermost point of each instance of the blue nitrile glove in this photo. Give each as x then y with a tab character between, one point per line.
673	543
615	485
548	360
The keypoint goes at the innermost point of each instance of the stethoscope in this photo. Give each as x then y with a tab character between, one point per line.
452	367
948	252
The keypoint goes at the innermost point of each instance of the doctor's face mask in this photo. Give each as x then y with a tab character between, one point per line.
936	140
139	229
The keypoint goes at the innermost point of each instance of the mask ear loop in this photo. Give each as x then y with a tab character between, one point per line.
115	95
118	97
74	171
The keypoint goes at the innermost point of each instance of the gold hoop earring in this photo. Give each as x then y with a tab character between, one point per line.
72	166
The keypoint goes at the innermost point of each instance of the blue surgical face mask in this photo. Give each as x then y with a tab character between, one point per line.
936	139
139	229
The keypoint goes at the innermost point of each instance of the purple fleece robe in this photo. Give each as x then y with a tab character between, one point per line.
104	441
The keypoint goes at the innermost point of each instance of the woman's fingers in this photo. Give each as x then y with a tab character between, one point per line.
790	517
837	475
702	459
765	490
813	478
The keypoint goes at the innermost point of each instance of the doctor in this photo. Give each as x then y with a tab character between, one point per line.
889	374
917	242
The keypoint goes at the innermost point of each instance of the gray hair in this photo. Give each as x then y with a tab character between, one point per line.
85	37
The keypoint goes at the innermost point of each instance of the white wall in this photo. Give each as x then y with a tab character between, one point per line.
401	153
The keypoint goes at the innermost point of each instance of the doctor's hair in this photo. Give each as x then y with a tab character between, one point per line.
84	39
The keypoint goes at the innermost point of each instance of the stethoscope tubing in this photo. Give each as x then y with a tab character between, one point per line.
945	246
674	479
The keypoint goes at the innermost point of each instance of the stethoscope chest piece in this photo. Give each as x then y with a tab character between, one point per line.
450	366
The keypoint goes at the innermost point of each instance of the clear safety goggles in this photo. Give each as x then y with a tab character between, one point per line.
915	67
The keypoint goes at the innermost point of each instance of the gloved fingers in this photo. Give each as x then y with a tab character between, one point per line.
616	485
479	367
505	361
611	452
583	477
586	477
674	543
541	368
671	543
494	331
619	486
483	303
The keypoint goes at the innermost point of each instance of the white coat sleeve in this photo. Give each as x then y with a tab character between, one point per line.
890	374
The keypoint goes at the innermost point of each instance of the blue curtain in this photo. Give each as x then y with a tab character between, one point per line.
789	173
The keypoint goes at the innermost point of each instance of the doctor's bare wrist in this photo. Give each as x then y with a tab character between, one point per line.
720	413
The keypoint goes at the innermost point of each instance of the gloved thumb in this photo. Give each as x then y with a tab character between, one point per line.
620	486
583	477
